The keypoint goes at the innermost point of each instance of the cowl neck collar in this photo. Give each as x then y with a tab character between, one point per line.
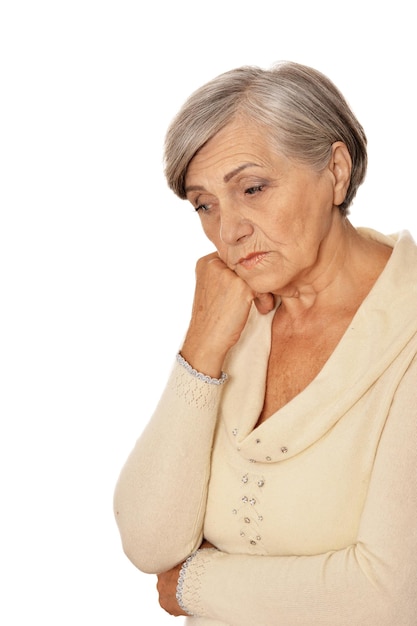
382	327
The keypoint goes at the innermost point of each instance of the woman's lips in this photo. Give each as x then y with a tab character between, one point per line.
252	259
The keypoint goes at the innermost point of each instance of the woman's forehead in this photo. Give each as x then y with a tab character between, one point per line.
233	147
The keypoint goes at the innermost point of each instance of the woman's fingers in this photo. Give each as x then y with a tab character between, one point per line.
264	302
222	302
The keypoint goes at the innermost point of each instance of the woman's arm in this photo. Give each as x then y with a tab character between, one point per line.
372	582
161	493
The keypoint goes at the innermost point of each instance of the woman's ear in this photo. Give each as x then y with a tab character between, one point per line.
340	164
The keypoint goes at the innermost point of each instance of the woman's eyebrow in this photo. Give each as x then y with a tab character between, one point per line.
227	177
236	171
194	188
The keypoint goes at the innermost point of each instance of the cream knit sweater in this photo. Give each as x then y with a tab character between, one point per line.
314	513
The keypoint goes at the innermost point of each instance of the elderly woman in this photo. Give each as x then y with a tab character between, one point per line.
276	482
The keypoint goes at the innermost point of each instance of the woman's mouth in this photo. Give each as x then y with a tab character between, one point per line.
250	261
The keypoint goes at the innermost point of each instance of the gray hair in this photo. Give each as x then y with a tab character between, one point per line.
302	110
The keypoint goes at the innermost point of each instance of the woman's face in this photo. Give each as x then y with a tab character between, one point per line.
267	215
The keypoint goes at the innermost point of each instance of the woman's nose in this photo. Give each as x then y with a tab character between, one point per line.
233	227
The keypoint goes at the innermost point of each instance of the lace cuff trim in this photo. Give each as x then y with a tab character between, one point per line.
180	583
189	581
193	391
199	375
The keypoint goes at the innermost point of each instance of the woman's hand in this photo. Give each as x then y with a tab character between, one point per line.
222	302
167	587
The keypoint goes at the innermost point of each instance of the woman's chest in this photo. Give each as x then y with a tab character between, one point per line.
307	504
295	359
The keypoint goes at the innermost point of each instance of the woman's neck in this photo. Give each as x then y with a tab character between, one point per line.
347	268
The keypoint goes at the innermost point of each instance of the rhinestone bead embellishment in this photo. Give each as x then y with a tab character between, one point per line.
249	520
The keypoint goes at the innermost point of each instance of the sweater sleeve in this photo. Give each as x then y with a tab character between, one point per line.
161	493
371	582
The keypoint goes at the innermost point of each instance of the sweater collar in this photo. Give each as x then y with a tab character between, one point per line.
388	315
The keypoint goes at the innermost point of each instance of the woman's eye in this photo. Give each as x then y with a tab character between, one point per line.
202	207
252	190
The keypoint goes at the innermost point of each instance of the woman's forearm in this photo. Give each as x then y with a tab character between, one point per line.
161	494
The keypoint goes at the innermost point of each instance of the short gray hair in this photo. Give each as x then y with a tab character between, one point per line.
302	110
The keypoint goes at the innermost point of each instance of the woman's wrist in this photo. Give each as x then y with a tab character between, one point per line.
180	583
203	359
190	580
218	380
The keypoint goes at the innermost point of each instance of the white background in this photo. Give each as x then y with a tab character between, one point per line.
97	256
